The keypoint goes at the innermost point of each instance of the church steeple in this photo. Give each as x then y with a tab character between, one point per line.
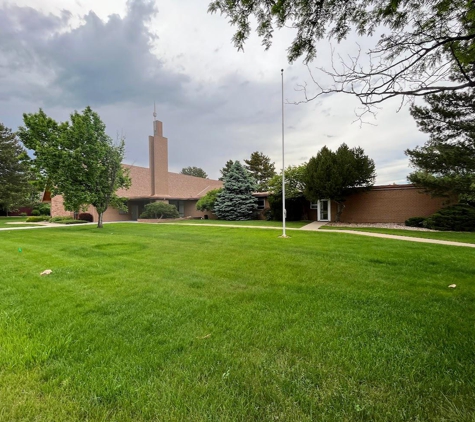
158	156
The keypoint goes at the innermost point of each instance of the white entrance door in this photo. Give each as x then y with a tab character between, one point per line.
324	211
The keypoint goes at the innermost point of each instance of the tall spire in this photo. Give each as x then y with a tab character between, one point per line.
154	112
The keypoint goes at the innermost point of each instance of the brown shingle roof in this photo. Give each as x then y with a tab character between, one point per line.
180	186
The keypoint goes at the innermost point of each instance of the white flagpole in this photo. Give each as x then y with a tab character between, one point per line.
283	165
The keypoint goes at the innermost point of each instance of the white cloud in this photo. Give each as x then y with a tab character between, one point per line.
216	103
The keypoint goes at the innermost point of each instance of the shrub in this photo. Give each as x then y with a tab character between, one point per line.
458	217
60	219
160	210
86	217
23	214
206	203
44	209
35	213
36	219
415	222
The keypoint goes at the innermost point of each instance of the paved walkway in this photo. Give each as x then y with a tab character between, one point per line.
314	226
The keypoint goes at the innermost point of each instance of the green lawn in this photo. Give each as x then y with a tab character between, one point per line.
143	322
262	223
465	237
5	222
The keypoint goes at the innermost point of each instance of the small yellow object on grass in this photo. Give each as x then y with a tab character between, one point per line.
453	286
46	272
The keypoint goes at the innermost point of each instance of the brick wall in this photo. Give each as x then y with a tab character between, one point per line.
390	204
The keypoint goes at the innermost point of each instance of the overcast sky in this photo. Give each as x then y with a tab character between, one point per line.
216	103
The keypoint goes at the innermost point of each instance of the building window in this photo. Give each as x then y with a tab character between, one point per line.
261	203
314	205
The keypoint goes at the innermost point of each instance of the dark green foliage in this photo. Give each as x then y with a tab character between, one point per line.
35	213
293	206
236	201
194	171
207	202
458	217
225	169
160	210
335	175
415	222
44	209
15	188
37	219
445	165
261	169
72	221
423	42
86	217
78	159
59	219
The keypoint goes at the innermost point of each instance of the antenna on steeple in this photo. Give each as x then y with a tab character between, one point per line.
154	112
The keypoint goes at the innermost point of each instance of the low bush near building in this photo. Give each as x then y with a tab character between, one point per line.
158	210
458	217
44	209
35	213
60	219
72	221
37	219
86	217
415	222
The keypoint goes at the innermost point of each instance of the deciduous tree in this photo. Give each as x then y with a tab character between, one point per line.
194	171
79	159
206	203
422	44
261	169
335	175
236	201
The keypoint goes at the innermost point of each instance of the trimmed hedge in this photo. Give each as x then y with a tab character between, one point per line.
415	222
35	213
458	217
72	221
37	219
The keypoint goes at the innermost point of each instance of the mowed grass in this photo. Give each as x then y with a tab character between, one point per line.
259	223
173	323
6	222
465	237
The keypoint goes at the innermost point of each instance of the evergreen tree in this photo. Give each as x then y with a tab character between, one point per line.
194	171
262	169
445	165
225	169
334	175
15	188
236	201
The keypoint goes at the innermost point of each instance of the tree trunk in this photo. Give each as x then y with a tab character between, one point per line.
99	221
339	210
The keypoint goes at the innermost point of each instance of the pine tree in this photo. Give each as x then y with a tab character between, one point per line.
262	169
445	164
236	201
14	172
225	169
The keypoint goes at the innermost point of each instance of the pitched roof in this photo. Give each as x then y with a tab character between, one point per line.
180	186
